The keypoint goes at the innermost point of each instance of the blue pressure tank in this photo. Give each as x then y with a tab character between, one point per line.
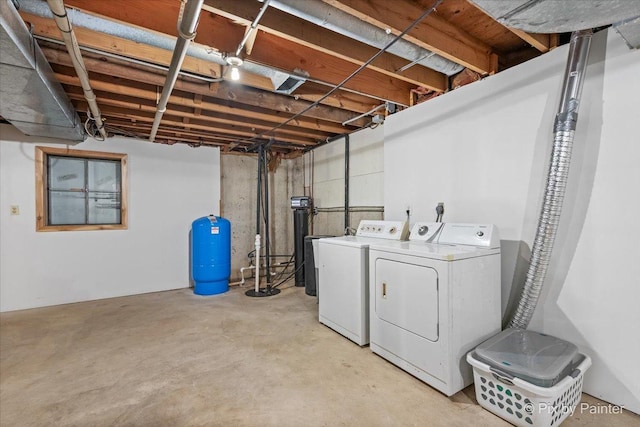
211	255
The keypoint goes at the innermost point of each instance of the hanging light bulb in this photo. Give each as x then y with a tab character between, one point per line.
234	62
235	74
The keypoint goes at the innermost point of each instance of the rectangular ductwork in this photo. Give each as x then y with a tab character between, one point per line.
30	96
630	32
285	82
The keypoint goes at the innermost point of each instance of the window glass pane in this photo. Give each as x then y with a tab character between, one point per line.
66	207
65	173
86	192
104	207
103	175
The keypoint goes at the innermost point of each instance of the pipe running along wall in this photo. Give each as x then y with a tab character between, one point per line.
347	222
564	130
70	41
186	33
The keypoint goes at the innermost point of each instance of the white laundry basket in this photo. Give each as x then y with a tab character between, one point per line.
523	403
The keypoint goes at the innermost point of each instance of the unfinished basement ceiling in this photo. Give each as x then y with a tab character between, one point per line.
206	107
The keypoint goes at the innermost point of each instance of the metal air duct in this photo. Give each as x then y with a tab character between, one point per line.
630	32
341	22
553	16
30	96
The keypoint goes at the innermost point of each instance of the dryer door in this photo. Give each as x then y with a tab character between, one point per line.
407	297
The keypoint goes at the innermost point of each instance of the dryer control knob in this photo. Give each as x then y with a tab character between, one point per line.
479	234
423	230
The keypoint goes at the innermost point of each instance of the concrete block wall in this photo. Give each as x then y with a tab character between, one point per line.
325	178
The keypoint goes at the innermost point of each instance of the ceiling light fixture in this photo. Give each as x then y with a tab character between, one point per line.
234	62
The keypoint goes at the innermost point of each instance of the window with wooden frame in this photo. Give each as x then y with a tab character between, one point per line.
80	190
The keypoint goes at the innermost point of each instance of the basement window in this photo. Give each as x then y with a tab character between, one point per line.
79	190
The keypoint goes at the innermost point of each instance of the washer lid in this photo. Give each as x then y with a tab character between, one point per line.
353	241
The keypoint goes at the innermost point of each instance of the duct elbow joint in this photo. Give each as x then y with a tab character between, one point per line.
566	121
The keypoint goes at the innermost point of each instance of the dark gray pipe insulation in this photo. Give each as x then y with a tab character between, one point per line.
267	240
347	223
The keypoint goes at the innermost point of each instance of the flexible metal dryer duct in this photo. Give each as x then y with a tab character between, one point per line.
564	130
186	33
69	37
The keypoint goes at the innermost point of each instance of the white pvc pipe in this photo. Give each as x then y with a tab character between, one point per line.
257	244
69	37
186	33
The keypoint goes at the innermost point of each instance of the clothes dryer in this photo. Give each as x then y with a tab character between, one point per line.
435	298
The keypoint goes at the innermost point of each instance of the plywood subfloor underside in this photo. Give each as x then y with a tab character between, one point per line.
173	358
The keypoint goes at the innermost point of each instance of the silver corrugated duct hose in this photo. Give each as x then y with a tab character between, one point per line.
564	129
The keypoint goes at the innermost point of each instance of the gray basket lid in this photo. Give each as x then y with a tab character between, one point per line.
535	357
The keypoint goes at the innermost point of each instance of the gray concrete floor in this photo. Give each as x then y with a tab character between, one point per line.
173	358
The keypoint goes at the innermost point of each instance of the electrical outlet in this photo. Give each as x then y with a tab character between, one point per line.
15	210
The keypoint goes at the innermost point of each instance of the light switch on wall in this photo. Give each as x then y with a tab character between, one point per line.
15	210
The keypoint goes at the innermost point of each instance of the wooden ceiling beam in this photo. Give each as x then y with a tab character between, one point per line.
187	116
114	45
189	137
172	119
47	28
119	90
542	42
295	29
433	33
268	49
226	92
142	131
274	51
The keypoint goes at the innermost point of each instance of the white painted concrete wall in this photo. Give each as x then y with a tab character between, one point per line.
169	187
483	150
366	179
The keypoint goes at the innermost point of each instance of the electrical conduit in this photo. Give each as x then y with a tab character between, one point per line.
70	41
186	33
564	130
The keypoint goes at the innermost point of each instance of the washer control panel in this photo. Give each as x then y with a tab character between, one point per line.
484	235
390	230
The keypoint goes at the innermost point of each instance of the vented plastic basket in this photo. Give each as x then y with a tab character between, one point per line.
525	404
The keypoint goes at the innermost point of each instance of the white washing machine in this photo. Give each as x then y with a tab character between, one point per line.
435	298
343	286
